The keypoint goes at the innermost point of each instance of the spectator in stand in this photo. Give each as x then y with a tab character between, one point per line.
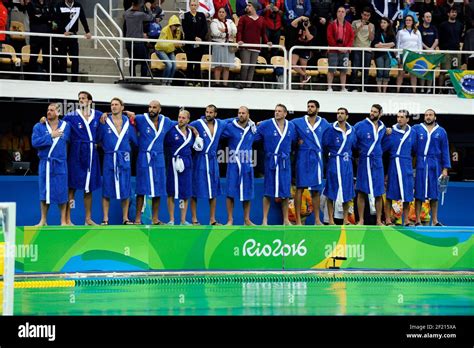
155	27
251	30
450	36
227	8
241	6
384	38
300	33
137	50
469	46
340	34
429	37
405	11
40	14
388	9
364	33
15	146
273	14
408	38
322	11
223	29
420	8
446	8
296	9
3	22
204	6
68	12
194	29
165	50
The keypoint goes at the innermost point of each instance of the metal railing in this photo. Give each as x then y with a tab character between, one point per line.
318	70
112	9
285	80
118	52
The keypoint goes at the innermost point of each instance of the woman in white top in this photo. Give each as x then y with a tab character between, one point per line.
222	30
408	38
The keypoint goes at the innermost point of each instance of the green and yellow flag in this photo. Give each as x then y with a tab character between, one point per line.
421	65
463	82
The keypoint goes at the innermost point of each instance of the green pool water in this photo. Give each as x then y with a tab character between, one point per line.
284	297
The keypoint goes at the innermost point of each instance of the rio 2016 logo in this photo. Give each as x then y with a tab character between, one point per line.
277	248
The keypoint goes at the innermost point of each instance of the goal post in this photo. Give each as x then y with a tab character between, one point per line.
7	253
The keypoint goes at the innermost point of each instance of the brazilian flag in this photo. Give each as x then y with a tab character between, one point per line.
463	82
421	65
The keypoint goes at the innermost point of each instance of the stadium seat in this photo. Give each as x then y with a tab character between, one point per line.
156	63
237	66
25	55
281	42
264	71
8	55
181	61
205	62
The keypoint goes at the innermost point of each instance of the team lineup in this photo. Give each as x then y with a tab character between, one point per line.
178	160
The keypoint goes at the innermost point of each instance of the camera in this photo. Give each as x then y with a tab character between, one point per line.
306	22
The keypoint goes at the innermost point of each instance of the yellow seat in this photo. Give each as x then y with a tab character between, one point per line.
206	62
8	55
373	69
281	42
278	61
19	27
264	71
156	63
25	55
237	66
181	61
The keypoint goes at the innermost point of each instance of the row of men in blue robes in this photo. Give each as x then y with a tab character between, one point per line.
197	176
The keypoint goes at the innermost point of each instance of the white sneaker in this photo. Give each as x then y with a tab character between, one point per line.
344	89
329	89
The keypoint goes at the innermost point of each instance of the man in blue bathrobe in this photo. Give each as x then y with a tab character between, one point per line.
115	137
151	170
400	144
432	163
338	141
50	138
277	134
83	159
370	175
309	159
179	142
240	180
206	179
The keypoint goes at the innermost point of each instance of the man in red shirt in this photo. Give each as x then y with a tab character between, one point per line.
340	34
251	30
3	22
273	14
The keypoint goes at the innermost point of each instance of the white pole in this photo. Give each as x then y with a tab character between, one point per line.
9	259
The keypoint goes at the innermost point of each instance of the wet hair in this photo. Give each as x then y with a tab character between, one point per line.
89	96
186	112
315	102
212	106
117	99
345	110
406	112
378	107
281	106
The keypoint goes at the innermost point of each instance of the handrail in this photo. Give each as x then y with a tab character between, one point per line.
111	9
98	7
287	67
